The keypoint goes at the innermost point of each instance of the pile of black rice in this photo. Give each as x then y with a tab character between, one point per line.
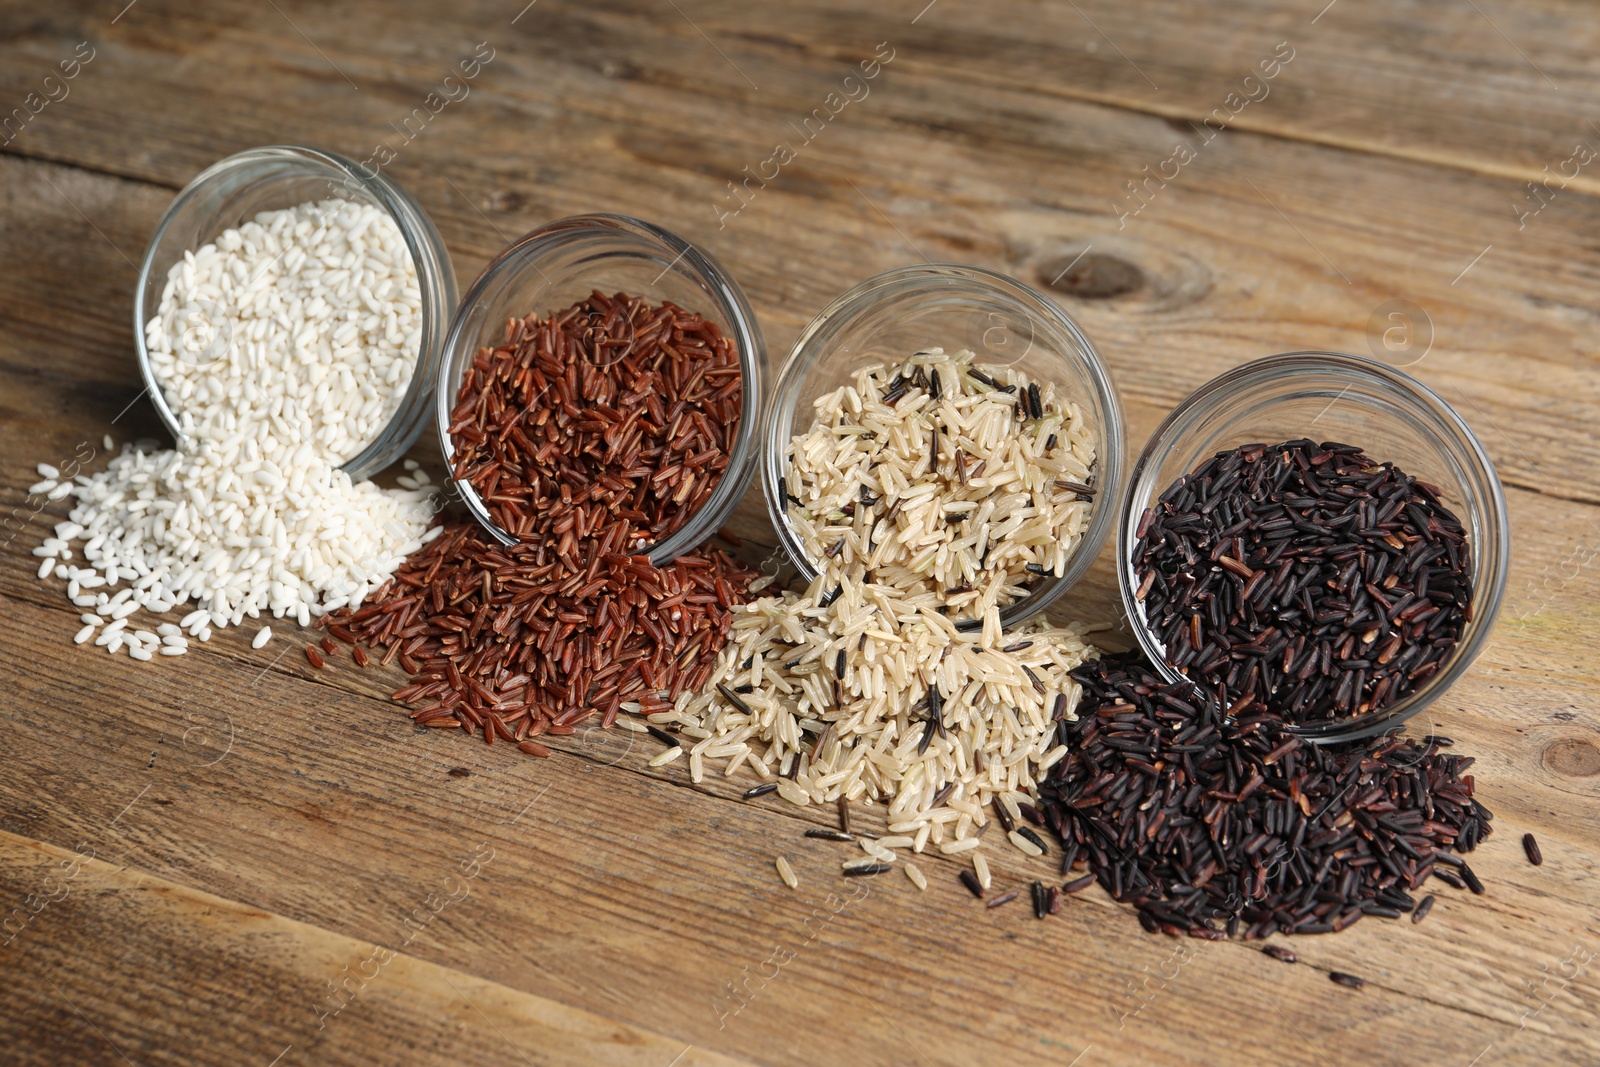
1217	826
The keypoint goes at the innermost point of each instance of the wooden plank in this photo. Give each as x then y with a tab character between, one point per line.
1487	87
284	792
623	891
1491	88
76	920
1259	245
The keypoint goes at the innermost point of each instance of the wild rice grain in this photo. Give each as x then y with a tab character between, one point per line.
661	735
1531	847
974	886
1003	898
822	833
1425	906
1278	952
866	869
1349	981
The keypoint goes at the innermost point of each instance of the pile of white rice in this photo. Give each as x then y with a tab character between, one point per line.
780	700
284	347
942	477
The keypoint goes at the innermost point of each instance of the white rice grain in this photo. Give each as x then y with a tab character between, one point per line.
918	879
285	346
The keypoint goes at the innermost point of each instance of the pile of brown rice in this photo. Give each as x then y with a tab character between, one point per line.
947	477
868	692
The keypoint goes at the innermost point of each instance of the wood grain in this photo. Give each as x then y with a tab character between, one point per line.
258	825
289	991
1261	244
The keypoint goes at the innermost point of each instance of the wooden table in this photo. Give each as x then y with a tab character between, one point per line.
202	849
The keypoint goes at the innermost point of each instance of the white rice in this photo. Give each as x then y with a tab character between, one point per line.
980	867
918	879
786	872
284	347
667	757
303	323
1024	844
987	523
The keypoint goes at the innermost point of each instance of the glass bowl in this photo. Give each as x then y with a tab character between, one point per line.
887	318
1330	396
236	189
561	263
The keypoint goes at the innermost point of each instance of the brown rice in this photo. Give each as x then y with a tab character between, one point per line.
944	476
846	685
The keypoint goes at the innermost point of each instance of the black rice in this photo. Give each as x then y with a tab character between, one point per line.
1531	847
825	834
1079	883
1247	826
866	870
1304	579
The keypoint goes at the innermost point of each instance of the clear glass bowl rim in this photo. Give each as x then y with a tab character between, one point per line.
932	278
435	279
1407	392
731	302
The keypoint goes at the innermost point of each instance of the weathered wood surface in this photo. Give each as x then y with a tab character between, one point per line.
257	826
